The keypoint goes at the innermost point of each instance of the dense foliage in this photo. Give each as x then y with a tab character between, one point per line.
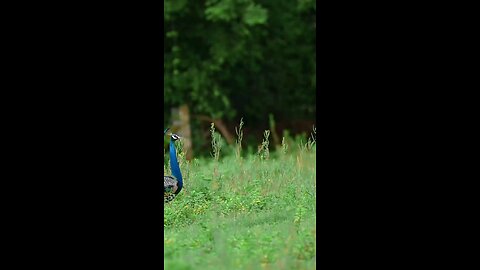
241	58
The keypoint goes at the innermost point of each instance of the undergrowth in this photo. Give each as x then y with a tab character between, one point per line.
244	212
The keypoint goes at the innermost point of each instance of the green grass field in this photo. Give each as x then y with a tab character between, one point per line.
252	212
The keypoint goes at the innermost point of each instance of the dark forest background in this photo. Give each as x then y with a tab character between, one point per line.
233	59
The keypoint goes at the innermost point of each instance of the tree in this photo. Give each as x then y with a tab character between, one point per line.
241	58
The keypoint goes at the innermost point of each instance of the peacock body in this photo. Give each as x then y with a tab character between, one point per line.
172	185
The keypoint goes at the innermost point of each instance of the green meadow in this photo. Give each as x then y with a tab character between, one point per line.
244	210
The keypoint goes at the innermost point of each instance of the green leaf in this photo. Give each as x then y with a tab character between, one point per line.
221	11
255	14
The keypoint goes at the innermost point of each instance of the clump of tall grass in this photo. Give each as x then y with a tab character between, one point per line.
217	145
263	149
284	146
216	142
238	141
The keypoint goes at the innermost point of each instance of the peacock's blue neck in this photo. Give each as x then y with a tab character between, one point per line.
174	165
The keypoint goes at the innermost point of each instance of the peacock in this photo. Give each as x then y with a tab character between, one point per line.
172	185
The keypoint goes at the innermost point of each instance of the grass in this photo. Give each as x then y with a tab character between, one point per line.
254	211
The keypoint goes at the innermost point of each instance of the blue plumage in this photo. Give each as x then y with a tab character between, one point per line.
172	185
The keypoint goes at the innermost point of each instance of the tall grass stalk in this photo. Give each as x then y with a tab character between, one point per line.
239	132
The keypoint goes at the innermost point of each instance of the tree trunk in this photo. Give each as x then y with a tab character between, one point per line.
181	123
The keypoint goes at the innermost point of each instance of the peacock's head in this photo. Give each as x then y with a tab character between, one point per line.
175	137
